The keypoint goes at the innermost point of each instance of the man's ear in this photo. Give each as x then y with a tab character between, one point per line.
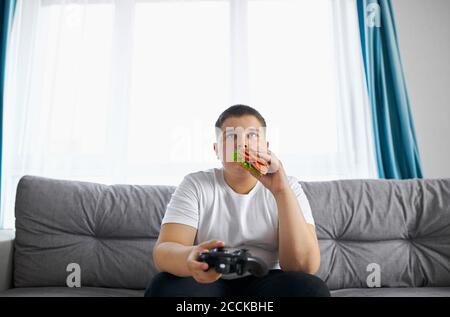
216	149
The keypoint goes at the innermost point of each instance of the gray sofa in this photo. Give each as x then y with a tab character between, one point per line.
392	234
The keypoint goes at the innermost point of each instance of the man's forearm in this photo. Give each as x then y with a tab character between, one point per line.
298	247
172	257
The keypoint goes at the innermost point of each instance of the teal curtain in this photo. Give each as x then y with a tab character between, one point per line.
6	15
395	138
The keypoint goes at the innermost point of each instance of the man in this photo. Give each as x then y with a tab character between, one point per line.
262	210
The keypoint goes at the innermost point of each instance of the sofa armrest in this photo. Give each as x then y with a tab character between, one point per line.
6	258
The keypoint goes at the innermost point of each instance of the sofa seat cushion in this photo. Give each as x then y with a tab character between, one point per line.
393	292
71	292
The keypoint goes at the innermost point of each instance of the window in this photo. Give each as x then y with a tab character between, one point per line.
128	91
291	76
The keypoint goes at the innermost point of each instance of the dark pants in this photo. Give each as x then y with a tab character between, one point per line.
275	284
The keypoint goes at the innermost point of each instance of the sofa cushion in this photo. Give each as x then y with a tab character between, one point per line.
109	231
71	292
401	226
393	292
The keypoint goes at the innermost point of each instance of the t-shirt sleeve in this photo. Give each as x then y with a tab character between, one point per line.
302	199
183	207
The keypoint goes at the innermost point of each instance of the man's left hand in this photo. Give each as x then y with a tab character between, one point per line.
272	174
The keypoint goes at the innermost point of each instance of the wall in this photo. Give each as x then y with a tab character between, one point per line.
424	34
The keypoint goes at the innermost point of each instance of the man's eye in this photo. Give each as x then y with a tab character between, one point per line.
252	135
230	136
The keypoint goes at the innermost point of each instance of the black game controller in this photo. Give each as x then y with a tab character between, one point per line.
239	261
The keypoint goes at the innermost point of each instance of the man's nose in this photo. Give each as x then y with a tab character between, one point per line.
240	141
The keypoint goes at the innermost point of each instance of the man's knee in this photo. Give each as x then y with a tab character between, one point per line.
167	285
160	285
292	284
303	284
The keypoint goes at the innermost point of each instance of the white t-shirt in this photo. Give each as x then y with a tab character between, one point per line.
207	203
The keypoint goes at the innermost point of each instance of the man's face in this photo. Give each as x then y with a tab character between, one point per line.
236	133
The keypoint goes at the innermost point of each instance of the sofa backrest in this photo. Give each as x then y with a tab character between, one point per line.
399	229
396	233
109	231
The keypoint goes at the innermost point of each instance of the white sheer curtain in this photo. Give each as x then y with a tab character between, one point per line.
123	91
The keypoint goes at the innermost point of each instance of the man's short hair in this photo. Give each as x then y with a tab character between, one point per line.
239	111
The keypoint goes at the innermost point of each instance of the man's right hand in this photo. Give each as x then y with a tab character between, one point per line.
197	269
